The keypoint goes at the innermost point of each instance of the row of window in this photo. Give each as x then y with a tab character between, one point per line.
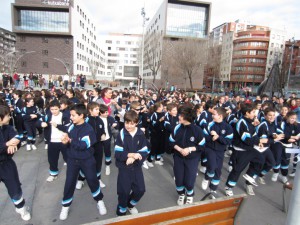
251	52
80	11
119	42
249	60
241	68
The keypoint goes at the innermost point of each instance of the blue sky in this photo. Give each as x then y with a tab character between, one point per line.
124	16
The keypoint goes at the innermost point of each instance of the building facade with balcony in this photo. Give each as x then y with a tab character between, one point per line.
7	46
122	52
174	20
60	34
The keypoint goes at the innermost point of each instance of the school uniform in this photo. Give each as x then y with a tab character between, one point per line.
29	123
214	151
106	144
98	127
157	138
185	167
170	122
130	184
52	137
17	115
244	140
80	154
8	169
282	158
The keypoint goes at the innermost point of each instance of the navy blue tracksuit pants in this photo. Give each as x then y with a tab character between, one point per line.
130	188
10	177
88	167
31	132
106	145
185	171
282	159
240	160
98	154
214	167
54	148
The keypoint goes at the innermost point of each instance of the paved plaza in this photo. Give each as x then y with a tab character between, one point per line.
265	208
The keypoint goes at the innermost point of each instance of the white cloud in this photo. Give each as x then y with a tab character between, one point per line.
124	16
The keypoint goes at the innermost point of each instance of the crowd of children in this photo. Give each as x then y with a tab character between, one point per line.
84	126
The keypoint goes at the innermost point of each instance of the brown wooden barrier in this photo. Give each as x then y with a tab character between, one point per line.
221	211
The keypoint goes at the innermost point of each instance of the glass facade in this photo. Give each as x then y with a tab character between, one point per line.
187	21
43	21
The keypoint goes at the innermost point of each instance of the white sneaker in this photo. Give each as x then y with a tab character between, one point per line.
33	147
133	211
25	215
79	184
213	194
249	190
107	170
203	169
23	143
189	200
145	165
229	169
102	185
101	207
46	146
250	179
275	177
51	178
284	179
64	213
180	200
228	192
204	184
293	173
150	164
159	162
28	147
261	180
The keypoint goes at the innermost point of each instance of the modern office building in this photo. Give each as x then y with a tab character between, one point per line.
122	52
7	46
174	20
61	36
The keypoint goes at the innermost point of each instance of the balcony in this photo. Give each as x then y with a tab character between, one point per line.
252	38
248	72
250	48
250	56
249	64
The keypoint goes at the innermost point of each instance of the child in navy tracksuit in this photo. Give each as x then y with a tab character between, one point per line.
188	141
170	122
30	116
291	131
157	135
97	124
54	124
130	152
219	135
80	139
108	123
17	113
8	169
244	140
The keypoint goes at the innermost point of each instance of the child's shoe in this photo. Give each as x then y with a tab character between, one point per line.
25	215
133	211
28	147
101	207
79	184
107	170
33	147
180	200
51	178
64	213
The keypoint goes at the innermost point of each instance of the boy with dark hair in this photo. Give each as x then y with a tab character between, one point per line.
130	152
108	123
96	123
80	139
54	124
8	169
244	140
219	135
17	114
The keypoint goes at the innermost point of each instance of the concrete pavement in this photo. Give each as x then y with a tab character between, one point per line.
265	208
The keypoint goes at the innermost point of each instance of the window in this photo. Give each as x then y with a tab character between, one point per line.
120	67
45	40
22	38
118	42
109	48
108	42
45	64
45	52
67	41
23	64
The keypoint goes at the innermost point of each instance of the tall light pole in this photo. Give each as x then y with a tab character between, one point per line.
145	19
291	58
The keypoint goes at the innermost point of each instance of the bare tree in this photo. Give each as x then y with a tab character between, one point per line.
189	56
214	62
152	53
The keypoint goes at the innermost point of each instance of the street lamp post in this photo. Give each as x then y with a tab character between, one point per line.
291	58
145	19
